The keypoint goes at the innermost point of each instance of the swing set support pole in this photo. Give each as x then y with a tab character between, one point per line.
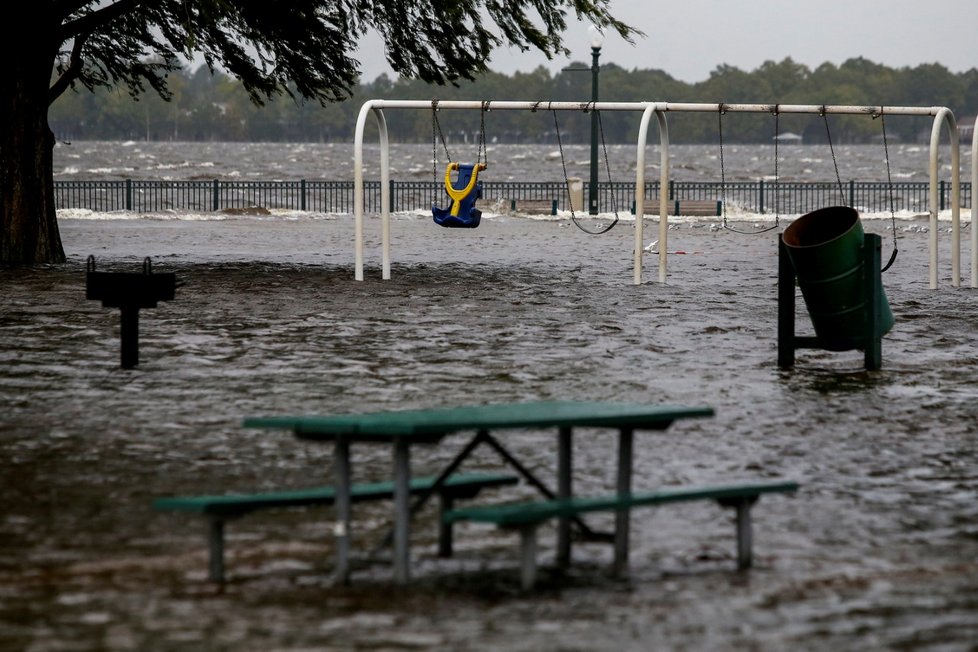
358	191
643	132
377	108
942	115
974	206
592	189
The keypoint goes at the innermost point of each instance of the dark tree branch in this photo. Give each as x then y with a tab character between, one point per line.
71	73
90	22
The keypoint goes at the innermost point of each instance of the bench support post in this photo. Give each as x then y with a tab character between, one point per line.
744	535
622	516
564	491
537	483
445	530
528	556
215	540
526	517
402	512
341	530
445	504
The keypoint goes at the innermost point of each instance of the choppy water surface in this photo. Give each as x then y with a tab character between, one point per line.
878	551
334	161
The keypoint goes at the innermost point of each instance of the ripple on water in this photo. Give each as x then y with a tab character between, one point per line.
876	551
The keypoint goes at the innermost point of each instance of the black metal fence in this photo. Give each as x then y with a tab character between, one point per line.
143	196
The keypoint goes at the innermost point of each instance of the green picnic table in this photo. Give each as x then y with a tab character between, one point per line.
403	428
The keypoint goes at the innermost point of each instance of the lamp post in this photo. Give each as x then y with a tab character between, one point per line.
597	38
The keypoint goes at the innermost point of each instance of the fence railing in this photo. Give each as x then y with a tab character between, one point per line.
148	196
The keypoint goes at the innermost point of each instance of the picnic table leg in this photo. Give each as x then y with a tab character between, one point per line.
445	504
744	535
564	491
215	538
341	530
622	520
540	486
445	532
528	556
402	511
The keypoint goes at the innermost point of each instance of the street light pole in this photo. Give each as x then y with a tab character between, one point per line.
597	38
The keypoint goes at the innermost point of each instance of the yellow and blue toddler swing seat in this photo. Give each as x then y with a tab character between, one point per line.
464	191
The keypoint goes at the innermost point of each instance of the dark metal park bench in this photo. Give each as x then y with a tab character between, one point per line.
534	206
221	508
692	207
526	517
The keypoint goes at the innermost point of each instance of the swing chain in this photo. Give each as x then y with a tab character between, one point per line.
721	110
825	118
777	163
434	142
563	165
889	183
723	171
607	167
483	152
436	133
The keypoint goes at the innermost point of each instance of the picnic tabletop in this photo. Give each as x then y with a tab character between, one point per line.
433	424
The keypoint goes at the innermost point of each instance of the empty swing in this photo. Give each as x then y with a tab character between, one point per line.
607	163
889	178
466	188
723	174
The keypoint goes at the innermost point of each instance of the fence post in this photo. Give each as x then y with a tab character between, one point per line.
941	200
128	194
302	194
672	189
852	193
216	200
760	195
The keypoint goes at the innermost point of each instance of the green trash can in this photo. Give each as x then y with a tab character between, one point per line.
826	250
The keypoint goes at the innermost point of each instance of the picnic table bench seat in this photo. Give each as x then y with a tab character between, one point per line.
220	508
402	429
527	516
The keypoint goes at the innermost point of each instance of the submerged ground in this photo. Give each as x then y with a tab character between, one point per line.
878	551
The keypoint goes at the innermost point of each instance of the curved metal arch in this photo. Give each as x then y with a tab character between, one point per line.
377	106
974	206
942	115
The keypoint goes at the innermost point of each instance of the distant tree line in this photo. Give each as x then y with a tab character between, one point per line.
214	107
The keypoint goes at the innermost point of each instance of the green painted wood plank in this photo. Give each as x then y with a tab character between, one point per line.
435	423
237	504
535	512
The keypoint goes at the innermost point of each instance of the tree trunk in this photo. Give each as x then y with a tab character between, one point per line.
28	222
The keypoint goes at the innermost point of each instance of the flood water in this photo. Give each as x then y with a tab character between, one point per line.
878	551
104	160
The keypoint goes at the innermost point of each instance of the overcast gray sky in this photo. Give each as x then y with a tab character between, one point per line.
690	38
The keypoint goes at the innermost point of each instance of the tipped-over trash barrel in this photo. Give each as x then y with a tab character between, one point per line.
826	250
